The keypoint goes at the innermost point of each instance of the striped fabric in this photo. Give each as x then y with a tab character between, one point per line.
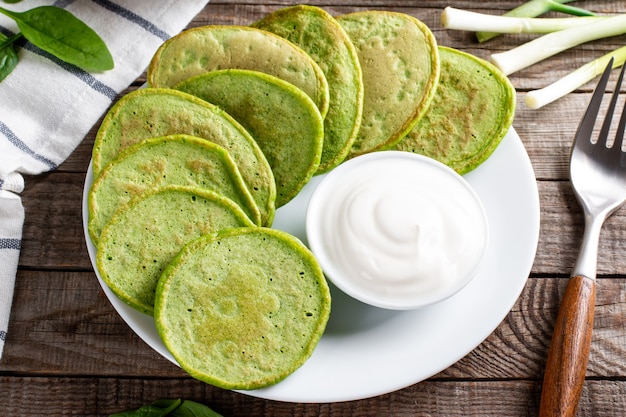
47	106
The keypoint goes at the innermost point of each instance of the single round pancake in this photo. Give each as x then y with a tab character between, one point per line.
208	48
155	112
144	237
243	309
283	120
472	111
318	34
400	65
170	160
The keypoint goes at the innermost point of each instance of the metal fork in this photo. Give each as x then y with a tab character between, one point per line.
598	176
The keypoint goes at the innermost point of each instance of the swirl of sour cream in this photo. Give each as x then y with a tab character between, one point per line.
395	227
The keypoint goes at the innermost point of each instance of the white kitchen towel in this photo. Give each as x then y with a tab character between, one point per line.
47	106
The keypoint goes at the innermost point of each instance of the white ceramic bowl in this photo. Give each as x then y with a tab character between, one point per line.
397	230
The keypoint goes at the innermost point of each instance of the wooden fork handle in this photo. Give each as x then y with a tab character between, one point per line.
569	350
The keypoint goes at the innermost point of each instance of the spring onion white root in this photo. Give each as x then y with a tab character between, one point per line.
555	42
457	19
536	99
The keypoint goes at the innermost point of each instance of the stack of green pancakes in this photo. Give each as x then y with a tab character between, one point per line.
140	240
157	112
233	123
322	37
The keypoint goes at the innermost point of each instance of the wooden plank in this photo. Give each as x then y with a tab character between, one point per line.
561	233
100	397
53	234
46	396
63	324
519	346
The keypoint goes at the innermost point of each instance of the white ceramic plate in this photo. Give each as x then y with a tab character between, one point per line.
367	351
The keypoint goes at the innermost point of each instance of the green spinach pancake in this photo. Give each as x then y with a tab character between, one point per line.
243	309
471	113
208	48
400	64
283	120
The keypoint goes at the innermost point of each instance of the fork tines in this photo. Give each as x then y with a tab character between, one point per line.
585	129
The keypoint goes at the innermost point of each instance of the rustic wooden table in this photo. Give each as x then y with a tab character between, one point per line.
69	353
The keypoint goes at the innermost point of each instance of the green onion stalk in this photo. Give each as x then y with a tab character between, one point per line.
534	8
536	99
458	19
553	43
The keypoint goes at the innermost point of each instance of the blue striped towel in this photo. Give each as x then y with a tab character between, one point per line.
47	106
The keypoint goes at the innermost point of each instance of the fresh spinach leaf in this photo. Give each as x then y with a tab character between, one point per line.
62	34
159	408
171	408
193	409
8	55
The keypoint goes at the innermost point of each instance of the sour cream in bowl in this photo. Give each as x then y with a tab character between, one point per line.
397	230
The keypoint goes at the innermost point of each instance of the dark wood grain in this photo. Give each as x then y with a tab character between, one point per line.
69	353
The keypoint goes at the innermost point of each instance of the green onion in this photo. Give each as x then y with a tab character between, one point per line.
538	98
458	19
555	42
534	8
